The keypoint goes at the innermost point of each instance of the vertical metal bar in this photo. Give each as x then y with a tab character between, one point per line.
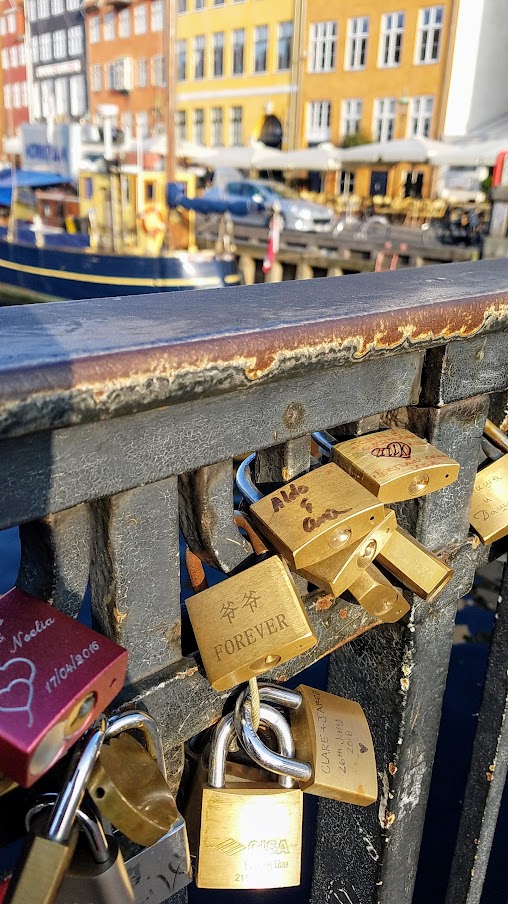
136	574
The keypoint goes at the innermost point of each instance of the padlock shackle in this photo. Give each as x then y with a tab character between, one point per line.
324	441
92	828
86	754
280	696
244	481
133	719
495	435
254	747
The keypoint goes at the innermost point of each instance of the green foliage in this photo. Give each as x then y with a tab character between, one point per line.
352	141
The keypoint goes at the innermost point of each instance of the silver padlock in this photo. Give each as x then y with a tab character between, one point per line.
161	870
97	872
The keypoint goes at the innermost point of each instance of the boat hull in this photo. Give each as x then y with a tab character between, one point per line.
51	273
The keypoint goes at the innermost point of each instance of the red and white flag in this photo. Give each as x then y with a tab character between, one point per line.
272	249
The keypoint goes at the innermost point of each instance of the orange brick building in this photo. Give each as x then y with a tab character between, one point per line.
14	70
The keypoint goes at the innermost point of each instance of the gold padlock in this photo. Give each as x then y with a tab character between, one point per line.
249	623
313	517
393	464
338	572
332	739
250	834
378	597
414	565
488	514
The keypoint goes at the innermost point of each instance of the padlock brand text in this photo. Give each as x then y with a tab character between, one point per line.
20	638
288	495
250	636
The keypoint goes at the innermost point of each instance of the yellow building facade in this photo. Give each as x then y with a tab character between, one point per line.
379	70
236	64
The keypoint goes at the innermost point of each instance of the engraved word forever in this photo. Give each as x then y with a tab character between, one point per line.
251	635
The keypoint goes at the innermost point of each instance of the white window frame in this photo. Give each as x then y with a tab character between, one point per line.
6	64
11	23
140	19
391	39
216	126
318	117
357	43
16	95
421	110
384	118
24	94
13	56
73	5
199	54
142	124
77	95
96	77
22	53
181	125
46	47
142	72
3	25
263	41
235	126
282	40
124	23
60	44
322	46
57	7
32	10
156	15
234	44
426	35
181	54
198	127
108	26
75	40
61	96
158	71
8	97
35	49
218	44
94	31
351	116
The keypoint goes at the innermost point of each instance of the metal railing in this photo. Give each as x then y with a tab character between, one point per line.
119	421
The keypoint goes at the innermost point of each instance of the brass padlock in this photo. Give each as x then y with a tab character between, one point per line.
488	514
251	834
338	572
393	464
414	565
249	623
332	738
129	786
378	597
313	517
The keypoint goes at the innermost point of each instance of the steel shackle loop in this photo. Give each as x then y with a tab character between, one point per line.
324	441
92	828
244	481
254	747
280	696
86	754
147	726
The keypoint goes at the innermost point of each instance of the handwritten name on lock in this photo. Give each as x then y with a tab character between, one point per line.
295	492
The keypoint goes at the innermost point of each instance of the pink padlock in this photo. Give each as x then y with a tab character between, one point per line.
56	676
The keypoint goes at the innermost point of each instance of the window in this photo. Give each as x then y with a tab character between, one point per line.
13	54
35	49
7	97
109	27
181	60
73	4
142	73
32	10
42	9
124	23
95	29
285	38
198	126
59	44
36	101
420	116
57	7
238	53
5	58
11	22
75	37
158	74
347	182
24	94
157	15
356	45
260	48
385	109
323	39
199	4
78	94
351	116
45	47
235	125
127	123
218	54
216	126
218	2
3	25
140	19
181	6
142	124
198	49
390	45
317	126
181	125
430	23
61	97
16	95
22	53
47	98
96	77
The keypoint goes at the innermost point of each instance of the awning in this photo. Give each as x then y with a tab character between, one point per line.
25	179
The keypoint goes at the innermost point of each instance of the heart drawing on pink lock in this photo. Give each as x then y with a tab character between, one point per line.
17	687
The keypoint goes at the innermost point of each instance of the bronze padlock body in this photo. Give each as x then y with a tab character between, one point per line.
130	791
316	515
338	572
333	735
249	623
414	565
378	597
396	465
488	514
